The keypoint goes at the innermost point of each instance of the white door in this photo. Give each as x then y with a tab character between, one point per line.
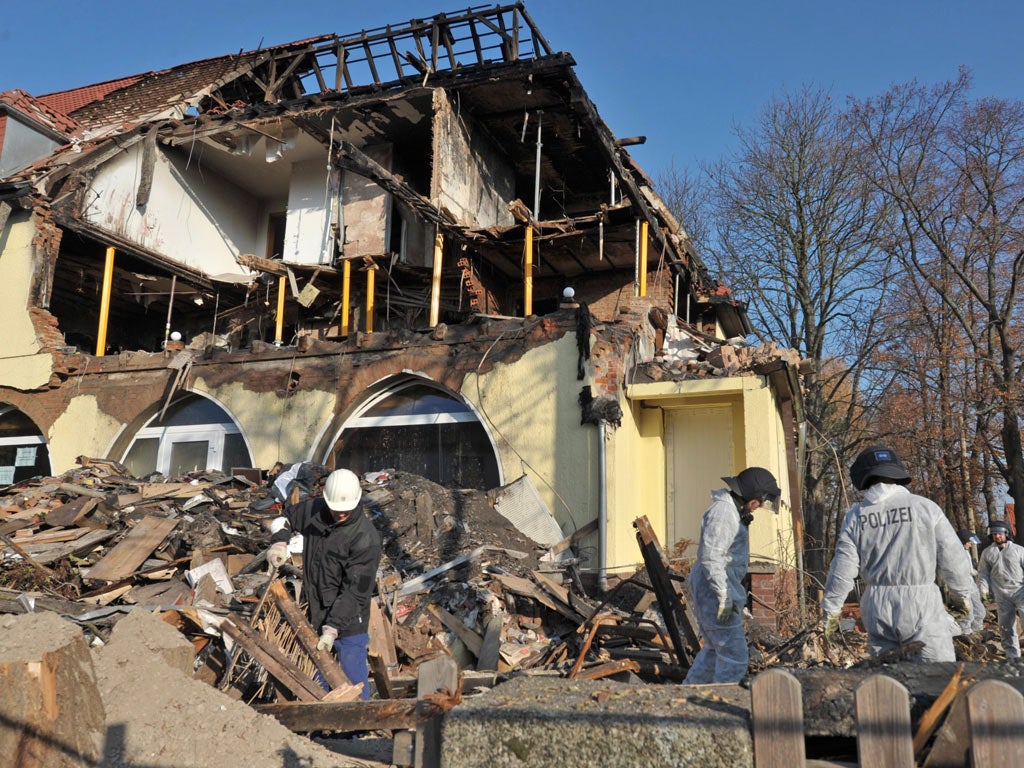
700	452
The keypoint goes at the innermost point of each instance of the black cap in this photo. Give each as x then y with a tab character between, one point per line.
754	483
877	462
967	536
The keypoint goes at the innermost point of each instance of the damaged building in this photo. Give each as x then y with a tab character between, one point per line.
417	247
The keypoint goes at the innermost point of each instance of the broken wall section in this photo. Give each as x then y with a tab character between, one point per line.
201	221
472	178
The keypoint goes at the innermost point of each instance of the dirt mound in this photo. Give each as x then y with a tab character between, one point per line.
157	716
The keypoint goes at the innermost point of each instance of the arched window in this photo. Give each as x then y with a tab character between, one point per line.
195	435
23	452
415	426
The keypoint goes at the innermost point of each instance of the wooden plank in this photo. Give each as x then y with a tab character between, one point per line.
381	677
884	736
526	588
777	712
669	599
395	714
491	646
72	512
382	640
434	676
308	639
608	669
52	536
47	553
46	572
568	541
936	713
995	712
273	660
471	639
133	550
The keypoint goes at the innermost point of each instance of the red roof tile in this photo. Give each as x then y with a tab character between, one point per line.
76	98
38	110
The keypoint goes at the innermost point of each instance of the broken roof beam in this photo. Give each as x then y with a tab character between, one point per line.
350	157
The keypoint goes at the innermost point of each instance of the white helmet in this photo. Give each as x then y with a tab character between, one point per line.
342	490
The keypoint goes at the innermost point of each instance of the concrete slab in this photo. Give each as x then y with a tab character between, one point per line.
546	722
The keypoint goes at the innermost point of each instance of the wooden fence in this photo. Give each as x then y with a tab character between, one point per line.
995	713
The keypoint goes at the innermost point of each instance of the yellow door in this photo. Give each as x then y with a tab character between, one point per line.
700	452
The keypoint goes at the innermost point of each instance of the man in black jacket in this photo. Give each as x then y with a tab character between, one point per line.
341	552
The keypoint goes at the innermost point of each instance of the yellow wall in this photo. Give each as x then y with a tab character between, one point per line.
81	430
277	428
21	367
527	404
755	430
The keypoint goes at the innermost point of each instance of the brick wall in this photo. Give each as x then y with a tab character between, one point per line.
774	596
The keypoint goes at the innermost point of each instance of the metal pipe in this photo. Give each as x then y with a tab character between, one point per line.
643	258
675	298
435	281
279	328
369	297
536	174
636	260
108	281
170	306
602	510
346	284
528	274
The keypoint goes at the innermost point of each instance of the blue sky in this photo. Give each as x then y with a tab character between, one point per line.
681	73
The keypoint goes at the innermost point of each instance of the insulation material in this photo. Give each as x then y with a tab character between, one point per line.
520	504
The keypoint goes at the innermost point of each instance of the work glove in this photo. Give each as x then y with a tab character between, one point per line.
984	595
327	637
958	606
726	609
277	555
832	628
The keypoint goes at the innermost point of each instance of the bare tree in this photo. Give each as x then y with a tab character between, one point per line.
952	170
792	227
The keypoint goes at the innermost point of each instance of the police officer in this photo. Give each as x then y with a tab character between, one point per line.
717	575
1001	573
897	541
341	552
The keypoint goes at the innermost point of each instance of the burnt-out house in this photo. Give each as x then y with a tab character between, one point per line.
418	247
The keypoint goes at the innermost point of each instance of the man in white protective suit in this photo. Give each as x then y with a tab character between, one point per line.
716	579
1001	574
897	541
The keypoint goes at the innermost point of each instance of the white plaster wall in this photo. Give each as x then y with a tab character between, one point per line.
307	237
471	178
82	430
278	429
193	215
530	406
21	365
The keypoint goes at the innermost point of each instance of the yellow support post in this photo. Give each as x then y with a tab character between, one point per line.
108	281
528	274
369	298
435	282
346	284
643	258
279	330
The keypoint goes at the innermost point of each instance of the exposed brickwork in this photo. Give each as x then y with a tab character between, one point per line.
774	596
606	294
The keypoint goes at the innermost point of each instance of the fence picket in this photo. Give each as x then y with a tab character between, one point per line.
778	718
884	736
995	714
